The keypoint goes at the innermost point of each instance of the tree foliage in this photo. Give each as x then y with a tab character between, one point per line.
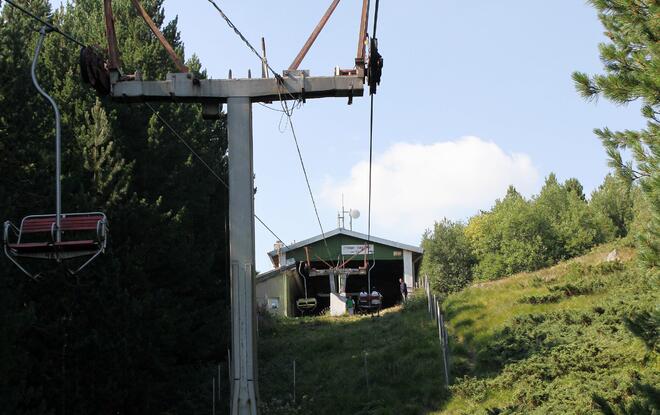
519	234
632	73
110	341
614	199
510	238
448	257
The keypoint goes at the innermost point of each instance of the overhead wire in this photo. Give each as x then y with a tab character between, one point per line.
208	167
371	152
243	38
285	108
45	23
158	115
371	131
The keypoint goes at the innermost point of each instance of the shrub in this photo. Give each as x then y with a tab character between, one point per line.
553	297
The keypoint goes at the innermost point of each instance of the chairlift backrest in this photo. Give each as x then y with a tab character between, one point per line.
68	222
81	234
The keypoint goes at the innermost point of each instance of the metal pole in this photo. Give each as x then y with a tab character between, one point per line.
58	138
366	374
446	343
435	307
264	60
294	380
428	293
219	382
443	344
213	388
241	248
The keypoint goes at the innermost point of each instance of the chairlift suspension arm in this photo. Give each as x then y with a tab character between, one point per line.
303	277
312	38
113	49
159	35
58	135
326	264
365	249
362	38
309	264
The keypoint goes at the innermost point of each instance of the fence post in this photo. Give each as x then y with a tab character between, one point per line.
439	320
294	380
448	354
366	374
427	288
445	348
432	306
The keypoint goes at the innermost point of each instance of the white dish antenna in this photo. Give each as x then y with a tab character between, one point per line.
355	213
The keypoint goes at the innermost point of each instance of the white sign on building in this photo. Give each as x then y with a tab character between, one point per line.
356	249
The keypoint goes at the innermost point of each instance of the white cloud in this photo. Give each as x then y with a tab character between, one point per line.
416	184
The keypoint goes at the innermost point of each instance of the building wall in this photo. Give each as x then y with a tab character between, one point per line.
281	290
273	292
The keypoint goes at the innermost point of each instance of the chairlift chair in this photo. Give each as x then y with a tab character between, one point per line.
305	304
370	303
80	235
59	236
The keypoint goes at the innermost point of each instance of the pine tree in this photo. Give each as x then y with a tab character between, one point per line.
614	200
632	73
109	174
141	331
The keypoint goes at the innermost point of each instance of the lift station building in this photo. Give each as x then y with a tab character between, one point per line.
279	289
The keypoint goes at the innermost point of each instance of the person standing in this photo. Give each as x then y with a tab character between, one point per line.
403	287
350	305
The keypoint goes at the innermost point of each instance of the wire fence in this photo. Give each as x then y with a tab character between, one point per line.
435	312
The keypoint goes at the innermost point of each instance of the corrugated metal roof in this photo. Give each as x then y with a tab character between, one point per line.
354	234
274	272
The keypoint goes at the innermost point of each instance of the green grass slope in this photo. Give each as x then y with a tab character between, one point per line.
577	338
352	365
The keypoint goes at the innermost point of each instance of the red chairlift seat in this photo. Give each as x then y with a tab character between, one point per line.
82	234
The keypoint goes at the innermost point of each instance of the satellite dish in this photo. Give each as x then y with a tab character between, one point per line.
355	213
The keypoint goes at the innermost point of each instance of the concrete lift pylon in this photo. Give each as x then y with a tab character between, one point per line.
239	95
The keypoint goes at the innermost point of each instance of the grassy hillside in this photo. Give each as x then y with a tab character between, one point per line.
577	338
389	364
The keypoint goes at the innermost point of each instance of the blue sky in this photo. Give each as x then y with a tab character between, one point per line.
475	96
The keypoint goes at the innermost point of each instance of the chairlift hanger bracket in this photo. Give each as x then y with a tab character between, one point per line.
336	270
58	236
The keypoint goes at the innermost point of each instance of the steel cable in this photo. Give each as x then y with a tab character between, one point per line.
285	107
208	167
45	23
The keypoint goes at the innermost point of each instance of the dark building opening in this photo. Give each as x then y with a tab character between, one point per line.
385	276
